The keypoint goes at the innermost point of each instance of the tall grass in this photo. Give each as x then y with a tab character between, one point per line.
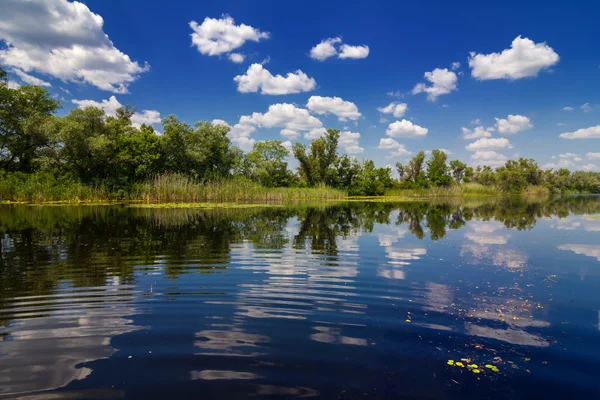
170	188
466	189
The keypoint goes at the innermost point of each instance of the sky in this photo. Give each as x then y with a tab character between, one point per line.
485	81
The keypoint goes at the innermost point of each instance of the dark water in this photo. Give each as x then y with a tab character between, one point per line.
359	300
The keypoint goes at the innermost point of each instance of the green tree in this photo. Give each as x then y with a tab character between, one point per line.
318	165
414	172
458	170
23	115
437	170
267	164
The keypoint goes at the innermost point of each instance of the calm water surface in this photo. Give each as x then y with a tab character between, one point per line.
357	300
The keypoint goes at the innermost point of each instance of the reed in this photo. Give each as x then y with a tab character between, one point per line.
466	189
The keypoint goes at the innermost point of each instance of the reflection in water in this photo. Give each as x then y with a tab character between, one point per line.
310	300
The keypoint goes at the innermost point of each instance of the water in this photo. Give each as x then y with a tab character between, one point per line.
359	300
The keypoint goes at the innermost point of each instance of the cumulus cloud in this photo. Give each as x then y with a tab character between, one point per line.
290	118
401	152
237	58
31	80
478	132
588	250
455	66
349	141
489	144
442	82
388	144
244	143
333	47
64	40
586	107
356	52
325	49
488	157
513	124
524	59
593	156
567	108
315	133
383	120
561	163
593	132
259	78
110	106
220	122
344	110
218	36
570	156
396	109
405	129
590	167
288	145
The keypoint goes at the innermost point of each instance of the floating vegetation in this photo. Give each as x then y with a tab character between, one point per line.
474	368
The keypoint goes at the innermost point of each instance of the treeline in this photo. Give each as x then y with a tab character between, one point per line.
87	149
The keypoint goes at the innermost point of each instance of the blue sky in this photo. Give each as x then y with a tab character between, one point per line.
511	99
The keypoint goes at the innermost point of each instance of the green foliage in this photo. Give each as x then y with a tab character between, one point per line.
437	170
43	157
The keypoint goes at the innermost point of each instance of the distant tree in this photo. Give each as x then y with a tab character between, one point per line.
414	172
318	165
458	170
437	170
267	164
401	170
3	77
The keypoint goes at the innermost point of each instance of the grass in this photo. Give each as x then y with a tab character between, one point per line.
467	189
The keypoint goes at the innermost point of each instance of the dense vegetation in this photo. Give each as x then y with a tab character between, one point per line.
86	155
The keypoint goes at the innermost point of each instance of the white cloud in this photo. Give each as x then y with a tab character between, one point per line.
64	40
257	77
218	36
243	142
442	82
478	132
489	144
590	167
110	106
333	47
593	132
571	156
401	152
561	124
349	141
488	157
405	129
31	80
383	120
315	133
388	144
356	52
289	133
476	122
561	163
237	58
593	156
448	152
287	144
513	124
396	109
325	49
283	115
344	110
586	107
13	85
524	59
455	66
220	122
567	108
395	93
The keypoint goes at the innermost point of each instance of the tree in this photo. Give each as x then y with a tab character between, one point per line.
3	77
318	165
401	170
414	171
458	170
267	165
437	170
23	114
